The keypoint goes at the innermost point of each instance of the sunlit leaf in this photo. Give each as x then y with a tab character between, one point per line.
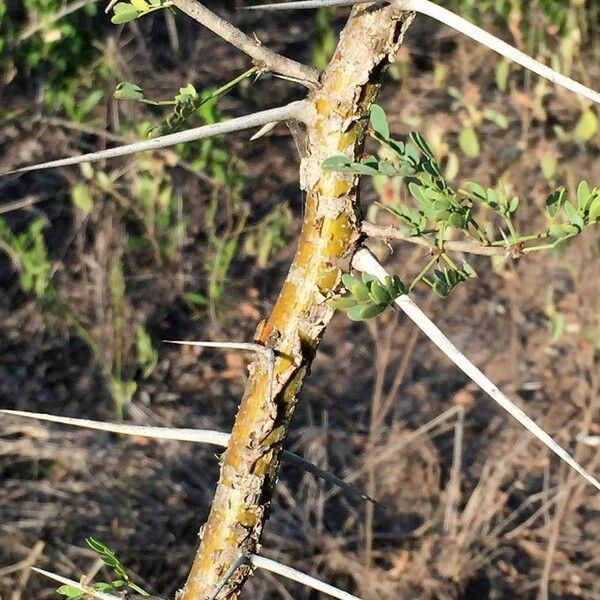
469	142
128	91
82	198
70	591
379	122
123	13
587	126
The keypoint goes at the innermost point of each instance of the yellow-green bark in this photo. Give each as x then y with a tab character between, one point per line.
329	237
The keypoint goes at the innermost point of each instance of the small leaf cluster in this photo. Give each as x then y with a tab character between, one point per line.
497	200
569	218
438	212
185	104
109	558
445	280
128	11
29	253
368	297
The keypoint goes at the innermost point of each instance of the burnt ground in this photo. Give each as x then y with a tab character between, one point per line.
508	521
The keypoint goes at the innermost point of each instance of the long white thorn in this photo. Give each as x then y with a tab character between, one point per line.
89	591
291	111
263	131
443	15
589	440
447	17
260	562
366	262
196	436
293	459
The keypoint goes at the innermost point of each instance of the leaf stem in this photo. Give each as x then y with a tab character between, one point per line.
423	272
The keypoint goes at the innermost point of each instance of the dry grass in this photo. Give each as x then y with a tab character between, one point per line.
495	517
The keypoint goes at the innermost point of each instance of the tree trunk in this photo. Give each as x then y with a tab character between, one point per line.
330	236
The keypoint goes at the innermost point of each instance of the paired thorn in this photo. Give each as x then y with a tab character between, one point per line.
365	261
447	17
203	436
252	560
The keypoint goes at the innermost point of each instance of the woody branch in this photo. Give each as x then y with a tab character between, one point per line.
329	237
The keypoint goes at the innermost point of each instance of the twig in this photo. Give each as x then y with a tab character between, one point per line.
453	489
447	17
300	314
390	232
365	261
64	12
294	110
260	562
169	155
26	565
390	453
202	436
23	203
88	591
266	59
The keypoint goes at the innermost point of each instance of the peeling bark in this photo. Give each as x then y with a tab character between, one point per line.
330	235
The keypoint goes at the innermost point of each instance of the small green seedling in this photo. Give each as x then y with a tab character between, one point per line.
122	581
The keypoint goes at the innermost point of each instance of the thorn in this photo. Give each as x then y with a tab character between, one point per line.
294	110
273	566
235	565
366	262
263	131
302	463
203	436
110	5
589	440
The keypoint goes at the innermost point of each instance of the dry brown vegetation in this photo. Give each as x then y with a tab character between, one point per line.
470	507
